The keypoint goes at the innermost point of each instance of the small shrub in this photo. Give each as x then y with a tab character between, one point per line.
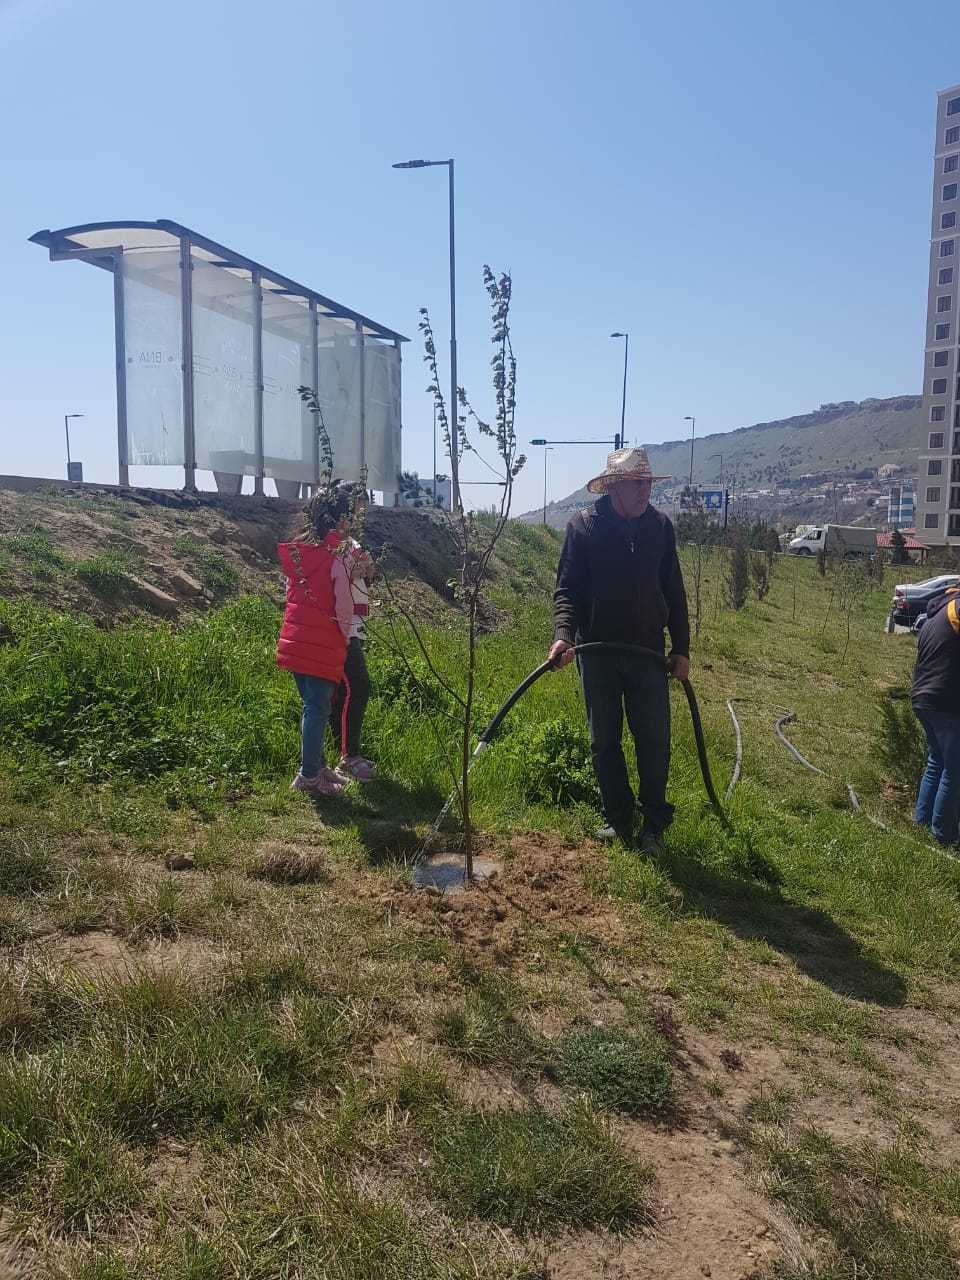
618	1068
556	761
532	1170
737	581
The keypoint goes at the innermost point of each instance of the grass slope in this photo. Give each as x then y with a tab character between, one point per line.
283	1061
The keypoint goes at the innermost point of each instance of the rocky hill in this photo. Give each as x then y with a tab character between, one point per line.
837	441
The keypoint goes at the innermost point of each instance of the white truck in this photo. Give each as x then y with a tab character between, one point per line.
845	540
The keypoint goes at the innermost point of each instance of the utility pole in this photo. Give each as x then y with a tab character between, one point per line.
623	402
693	433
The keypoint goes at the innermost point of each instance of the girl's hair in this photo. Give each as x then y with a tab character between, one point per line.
329	506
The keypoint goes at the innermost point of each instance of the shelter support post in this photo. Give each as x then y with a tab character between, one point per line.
257	381
186	338
315	379
123	452
363	403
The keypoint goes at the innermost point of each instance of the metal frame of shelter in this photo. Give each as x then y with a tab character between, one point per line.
110	244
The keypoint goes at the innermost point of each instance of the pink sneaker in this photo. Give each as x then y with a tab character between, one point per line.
357	769
325	783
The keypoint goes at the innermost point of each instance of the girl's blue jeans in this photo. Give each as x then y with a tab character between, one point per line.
316	694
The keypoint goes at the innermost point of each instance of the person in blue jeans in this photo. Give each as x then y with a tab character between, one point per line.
935	696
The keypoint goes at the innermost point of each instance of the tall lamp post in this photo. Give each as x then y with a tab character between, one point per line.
545	452
454	402
693	433
66	432
623	402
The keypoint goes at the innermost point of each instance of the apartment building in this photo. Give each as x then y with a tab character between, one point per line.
938	480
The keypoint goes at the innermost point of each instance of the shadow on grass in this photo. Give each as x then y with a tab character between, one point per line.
385	839
813	940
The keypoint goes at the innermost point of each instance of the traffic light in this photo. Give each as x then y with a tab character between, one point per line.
538	442
616	440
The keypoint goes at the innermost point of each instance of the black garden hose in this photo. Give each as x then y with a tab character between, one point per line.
633	650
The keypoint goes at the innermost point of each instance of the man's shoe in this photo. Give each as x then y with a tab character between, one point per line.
623	834
653	843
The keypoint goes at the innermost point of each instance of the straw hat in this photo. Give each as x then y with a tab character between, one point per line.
624	464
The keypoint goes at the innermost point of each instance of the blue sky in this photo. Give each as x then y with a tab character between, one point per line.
744	187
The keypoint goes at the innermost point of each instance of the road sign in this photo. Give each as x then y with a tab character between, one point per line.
711	499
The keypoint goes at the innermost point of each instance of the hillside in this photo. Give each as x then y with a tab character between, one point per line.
119	555
837	441
238	1043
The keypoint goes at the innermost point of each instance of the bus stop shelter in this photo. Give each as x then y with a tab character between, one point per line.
211	348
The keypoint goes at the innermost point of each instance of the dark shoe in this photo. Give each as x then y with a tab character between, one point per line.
609	834
653	843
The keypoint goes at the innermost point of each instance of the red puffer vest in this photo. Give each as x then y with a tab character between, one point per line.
311	642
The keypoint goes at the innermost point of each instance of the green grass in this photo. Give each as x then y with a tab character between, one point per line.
106	573
620	1069
534	1170
883	1212
36	551
368	1082
212	567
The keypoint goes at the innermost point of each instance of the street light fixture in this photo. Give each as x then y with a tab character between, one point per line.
66	431
693	433
454	400
545	452
623	402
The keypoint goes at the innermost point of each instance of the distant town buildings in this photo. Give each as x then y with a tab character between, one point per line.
938	480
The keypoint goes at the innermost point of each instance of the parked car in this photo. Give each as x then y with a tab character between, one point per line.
910	599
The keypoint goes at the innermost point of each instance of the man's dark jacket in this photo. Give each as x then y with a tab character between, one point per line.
936	677
620	580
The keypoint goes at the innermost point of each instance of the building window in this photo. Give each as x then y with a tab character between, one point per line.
946	248
935	467
939	387
938	413
945	276
935	440
944	303
940	358
941	332
953	106
947	220
933	494
952	135
931	520
954	498
951	163
949	191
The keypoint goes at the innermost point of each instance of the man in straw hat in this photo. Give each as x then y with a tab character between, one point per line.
619	579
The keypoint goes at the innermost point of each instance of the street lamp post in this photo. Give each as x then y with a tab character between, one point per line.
693	433
623	402
545	452
454	400
66	431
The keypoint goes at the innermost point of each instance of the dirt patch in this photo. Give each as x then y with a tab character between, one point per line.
709	1222
541	886
102	952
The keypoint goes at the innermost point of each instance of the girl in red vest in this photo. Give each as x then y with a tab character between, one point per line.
316	629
